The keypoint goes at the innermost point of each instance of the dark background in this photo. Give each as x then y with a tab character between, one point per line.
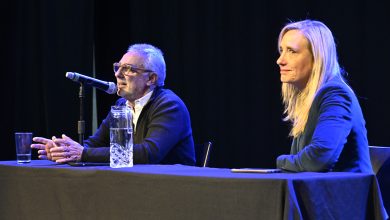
221	60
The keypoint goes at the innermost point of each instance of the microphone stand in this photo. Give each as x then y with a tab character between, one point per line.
81	122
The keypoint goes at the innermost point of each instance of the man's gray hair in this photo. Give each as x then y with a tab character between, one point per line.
154	60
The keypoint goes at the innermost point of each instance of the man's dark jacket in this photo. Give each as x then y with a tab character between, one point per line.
163	134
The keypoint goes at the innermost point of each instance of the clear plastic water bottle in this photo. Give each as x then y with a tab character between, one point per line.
121	137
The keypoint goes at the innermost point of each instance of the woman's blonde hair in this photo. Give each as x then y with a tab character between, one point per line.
297	102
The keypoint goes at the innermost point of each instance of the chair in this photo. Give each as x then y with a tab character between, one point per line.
380	161
202	154
378	156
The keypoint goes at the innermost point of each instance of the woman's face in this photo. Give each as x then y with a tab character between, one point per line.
295	60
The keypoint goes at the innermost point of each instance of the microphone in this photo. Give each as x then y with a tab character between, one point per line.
108	87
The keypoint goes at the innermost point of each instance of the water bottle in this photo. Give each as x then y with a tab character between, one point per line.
121	137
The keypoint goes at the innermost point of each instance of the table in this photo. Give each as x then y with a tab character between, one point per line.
46	190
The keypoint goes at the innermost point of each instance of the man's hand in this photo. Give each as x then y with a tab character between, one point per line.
60	150
44	145
66	150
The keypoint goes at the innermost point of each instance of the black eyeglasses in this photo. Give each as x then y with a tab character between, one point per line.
128	69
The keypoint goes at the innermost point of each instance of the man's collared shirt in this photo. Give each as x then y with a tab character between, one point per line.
138	106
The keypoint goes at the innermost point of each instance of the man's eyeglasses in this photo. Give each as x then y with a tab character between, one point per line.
128	69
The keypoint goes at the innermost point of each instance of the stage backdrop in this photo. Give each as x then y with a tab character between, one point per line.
221	60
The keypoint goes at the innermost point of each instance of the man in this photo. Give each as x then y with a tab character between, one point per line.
162	127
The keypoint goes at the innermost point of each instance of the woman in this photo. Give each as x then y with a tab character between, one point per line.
328	127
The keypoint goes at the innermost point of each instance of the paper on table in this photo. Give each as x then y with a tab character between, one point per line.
253	170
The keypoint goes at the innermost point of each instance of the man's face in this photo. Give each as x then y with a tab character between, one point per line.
133	83
295	60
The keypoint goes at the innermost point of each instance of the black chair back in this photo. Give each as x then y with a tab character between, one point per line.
202	153
378	156
380	161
